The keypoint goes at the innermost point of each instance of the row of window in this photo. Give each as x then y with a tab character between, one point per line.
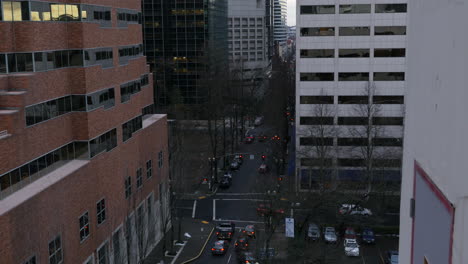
84	228
131	127
351	76
328	162
139	178
352	31
126	53
44	164
342	142
133	87
352	9
351	121
47	11
352	99
71	103
43	61
103	143
352	53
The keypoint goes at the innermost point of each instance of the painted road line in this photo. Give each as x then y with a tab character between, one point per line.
240	221
214	209
201	197
203	248
229	259
255	200
205	222
380	254
178	253
194	208
226	193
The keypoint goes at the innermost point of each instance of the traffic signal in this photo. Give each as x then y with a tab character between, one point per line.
280	178
263	157
240	156
205	179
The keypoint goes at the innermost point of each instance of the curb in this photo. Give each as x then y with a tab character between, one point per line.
201	251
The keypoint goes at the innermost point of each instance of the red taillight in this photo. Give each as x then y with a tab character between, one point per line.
222	249
243	231
253	232
213	249
237	244
229	233
246	245
217	233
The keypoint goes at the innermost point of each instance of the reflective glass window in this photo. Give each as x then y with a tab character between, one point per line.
317	53
354	31
390	8
389	30
355	9
353	76
317	9
354	53
318	32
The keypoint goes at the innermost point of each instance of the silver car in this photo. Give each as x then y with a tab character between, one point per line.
313	232
351	248
330	235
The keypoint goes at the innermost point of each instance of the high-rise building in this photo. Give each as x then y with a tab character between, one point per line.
83	168
434	191
350	81
247	36
185	41
280	31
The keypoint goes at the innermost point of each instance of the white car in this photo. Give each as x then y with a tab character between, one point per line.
330	235
353	209
351	248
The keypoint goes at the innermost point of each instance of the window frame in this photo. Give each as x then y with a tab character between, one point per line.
139	178
104	245
101	212
56	249
84	228
149	169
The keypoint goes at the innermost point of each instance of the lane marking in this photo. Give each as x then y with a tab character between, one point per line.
201	197
255	200
226	193
205	222
194	208
380	254
229	259
201	251
240	221
178	253
214	209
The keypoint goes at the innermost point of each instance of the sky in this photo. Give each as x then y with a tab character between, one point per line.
291	20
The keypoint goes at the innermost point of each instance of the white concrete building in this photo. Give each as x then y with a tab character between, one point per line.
434	195
350	54
280	30
247	36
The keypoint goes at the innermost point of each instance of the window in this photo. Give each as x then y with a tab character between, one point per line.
128	89
19	62
353	76
104	98
116	247
128	187
351	163
388	163
388	100
353	121
65	12
354	31
353	99
101	211
318	9
131	127
393	30
31	260
322	120
388	121
355	9
84	226
315	141
316	99
149	169
317	53
3	64
103	254
15	11
387	142
139	178
317	76
389	53
316	162
102	143
318	32
354	53
55	251
160	159
352	141
389	76
390	8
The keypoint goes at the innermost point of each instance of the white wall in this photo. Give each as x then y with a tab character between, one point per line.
436	123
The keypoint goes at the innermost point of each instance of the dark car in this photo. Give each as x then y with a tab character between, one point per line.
249	139
313	232
249	230
242	243
247	257
225	231
224	235
262	138
391	257
350	233
239	158
225	182
220	247
368	236
235	165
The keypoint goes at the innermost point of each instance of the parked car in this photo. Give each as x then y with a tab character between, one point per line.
265	210
391	257
249	139
225	230
239	158
235	165
313	232
227	174
263	168
330	235
247	257
351	248
220	247
242	243
368	236
350	233
353	209
249	230
262	138
258	121
225	182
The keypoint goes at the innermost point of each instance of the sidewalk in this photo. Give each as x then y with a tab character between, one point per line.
199	233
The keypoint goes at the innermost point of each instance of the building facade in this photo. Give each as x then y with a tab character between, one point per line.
280	30
185	41
247	36
82	166
350	81
434	196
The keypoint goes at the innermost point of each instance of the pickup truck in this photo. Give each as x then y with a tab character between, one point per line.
225	230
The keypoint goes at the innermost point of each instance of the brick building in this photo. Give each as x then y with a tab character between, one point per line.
83	164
